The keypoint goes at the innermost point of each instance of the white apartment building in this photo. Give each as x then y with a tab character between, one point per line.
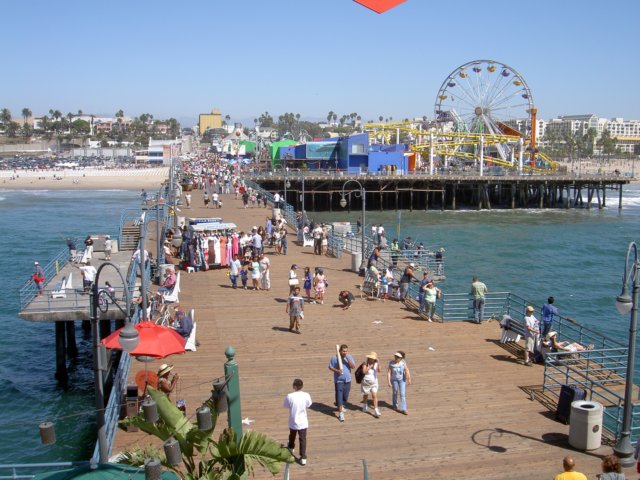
626	131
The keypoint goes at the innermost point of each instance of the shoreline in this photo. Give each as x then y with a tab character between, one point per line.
90	179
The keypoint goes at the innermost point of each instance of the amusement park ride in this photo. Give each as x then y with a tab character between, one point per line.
484	112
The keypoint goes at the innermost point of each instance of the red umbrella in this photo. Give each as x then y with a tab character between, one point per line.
155	341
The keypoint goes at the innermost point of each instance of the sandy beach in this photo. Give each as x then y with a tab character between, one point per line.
89	179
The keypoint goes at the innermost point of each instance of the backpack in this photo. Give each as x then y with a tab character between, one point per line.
359	373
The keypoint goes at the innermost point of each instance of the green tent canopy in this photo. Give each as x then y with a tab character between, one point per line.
249	147
275	148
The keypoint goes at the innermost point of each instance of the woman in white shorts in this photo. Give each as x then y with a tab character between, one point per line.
370	368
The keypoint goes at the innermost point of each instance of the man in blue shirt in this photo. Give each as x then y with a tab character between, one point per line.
548	311
183	324
341	369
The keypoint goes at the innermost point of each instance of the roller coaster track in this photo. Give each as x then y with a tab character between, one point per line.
452	143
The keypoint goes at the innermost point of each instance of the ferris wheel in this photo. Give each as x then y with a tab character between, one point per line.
485	96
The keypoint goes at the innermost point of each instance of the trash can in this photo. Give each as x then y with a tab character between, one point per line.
585	432
356	260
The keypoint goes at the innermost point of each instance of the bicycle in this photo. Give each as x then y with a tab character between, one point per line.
105	296
160	313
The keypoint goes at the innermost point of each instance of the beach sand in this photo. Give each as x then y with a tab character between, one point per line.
150	179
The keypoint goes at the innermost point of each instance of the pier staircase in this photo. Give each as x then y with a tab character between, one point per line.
129	235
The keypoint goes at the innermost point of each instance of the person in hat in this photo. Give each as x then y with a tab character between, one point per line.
551	340
166	381
531	335
369	385
406	278
398	376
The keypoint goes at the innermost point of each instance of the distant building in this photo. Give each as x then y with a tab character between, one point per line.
159	152
209	120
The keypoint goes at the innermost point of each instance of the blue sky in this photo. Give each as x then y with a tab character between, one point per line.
311	56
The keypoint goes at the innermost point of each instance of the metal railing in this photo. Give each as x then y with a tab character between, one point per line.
600	372
287	210
29	290
113	407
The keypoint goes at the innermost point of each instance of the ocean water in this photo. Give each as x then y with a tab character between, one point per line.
575	255
33	226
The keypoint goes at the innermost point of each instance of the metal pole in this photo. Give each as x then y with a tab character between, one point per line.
623	449
303	211
234	415
364	224
158	241
97	377
143	279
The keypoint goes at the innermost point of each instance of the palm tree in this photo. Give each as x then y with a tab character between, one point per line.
203	457
119	117
297	117
380	118
26	113
227	118
329	116
5	115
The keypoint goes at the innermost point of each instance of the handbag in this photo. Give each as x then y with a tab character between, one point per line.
293	282
359	373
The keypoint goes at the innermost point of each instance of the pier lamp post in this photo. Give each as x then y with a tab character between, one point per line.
343	203
287	184
129	340
625	304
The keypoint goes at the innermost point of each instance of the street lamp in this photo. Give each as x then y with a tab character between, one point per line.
287	184
343	203
129	340
625	304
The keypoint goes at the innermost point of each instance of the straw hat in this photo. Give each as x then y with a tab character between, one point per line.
398	354
530	309
373	356
164	369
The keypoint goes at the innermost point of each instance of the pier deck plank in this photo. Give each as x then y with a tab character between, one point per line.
470	413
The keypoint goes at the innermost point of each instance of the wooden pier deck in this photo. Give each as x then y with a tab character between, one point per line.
470	412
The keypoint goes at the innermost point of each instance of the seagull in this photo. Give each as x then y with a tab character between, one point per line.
247	421
377	322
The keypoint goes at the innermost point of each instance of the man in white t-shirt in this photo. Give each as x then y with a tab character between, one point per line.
297	402
88	275
317	239
276	200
